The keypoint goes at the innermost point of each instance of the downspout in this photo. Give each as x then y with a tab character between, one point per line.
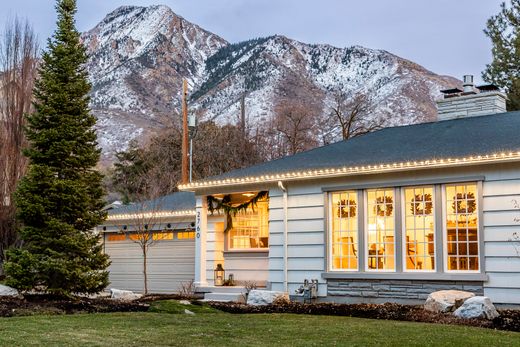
285	235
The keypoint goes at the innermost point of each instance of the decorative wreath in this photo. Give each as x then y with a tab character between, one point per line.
417	201
385	206
342	209
468	198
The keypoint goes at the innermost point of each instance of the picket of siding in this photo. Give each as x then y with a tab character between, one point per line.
501	194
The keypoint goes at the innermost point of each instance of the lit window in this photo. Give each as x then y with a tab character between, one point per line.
380	229
344	231
250	228
185	235
462	227
165	235
116	237
420	231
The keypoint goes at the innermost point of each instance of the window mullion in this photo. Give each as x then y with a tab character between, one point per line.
398	231
439	211
361	230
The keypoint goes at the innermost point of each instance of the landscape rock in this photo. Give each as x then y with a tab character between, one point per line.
184	302
446	300
123	295
188	312
477	307
264	297
8	291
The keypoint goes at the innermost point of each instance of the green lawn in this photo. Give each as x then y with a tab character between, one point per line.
210	328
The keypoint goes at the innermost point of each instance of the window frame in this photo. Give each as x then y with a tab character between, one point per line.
365	229
330	236
439	213
403	228
478	200
227	236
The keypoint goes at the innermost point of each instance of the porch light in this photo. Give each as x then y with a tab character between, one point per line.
220	275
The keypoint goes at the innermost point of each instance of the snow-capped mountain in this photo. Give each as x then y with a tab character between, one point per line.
139	56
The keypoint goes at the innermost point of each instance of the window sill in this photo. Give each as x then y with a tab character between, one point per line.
247	253
434	276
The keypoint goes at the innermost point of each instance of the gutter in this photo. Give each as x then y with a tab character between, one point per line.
285	235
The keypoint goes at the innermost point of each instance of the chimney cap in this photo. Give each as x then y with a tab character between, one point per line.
488	88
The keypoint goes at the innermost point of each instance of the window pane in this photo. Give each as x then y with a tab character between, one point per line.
250	228
380	229
420	230
344	231
462	227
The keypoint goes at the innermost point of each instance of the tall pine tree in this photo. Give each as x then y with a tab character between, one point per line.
504	71
60	199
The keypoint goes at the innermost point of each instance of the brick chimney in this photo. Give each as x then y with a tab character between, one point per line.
472	101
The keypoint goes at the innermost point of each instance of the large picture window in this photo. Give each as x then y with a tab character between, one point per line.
380	229
462	228
419	241
250	228
344	231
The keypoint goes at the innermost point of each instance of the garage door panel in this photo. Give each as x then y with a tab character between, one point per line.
170	263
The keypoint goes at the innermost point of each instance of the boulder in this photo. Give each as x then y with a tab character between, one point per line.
8	291
477	307
123	295
184	302
188	312
264	297
446	300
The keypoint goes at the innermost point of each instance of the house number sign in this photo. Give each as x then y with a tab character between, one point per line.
198	224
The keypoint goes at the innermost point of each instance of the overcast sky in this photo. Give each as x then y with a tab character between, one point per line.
445	36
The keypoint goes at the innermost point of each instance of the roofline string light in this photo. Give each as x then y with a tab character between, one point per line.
367	169
161	214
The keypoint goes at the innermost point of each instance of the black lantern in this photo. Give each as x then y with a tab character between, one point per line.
220	275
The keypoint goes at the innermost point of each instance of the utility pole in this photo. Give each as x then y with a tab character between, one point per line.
185	140
243	114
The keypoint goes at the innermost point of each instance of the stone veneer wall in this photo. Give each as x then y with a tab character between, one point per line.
398	290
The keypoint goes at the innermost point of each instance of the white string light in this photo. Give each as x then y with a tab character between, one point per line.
160	214
345	171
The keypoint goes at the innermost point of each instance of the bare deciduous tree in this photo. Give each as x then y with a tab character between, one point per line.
297	124
18	64
351	113
146	222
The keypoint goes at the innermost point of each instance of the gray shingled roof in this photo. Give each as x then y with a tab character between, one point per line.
456	138
179	201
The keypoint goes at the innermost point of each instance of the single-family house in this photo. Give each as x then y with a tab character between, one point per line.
392	215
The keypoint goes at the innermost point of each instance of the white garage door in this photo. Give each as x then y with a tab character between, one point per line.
170	263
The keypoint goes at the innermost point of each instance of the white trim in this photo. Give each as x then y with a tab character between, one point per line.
330	231
365	196
403	229
445	230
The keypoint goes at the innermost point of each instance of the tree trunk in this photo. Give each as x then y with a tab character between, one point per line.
145	274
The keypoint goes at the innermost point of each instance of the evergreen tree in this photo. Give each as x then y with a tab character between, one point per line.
504	71
60	199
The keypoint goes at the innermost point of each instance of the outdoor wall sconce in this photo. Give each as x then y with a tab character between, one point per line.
169	226
125	227
220	275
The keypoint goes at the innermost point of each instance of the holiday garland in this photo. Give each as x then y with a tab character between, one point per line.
342	212
385	206
469	198
417	202
231	210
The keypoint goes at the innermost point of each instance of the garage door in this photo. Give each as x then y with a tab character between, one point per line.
170	263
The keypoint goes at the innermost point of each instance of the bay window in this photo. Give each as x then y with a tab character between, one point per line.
430	228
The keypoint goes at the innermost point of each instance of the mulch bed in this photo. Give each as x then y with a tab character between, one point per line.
508	320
